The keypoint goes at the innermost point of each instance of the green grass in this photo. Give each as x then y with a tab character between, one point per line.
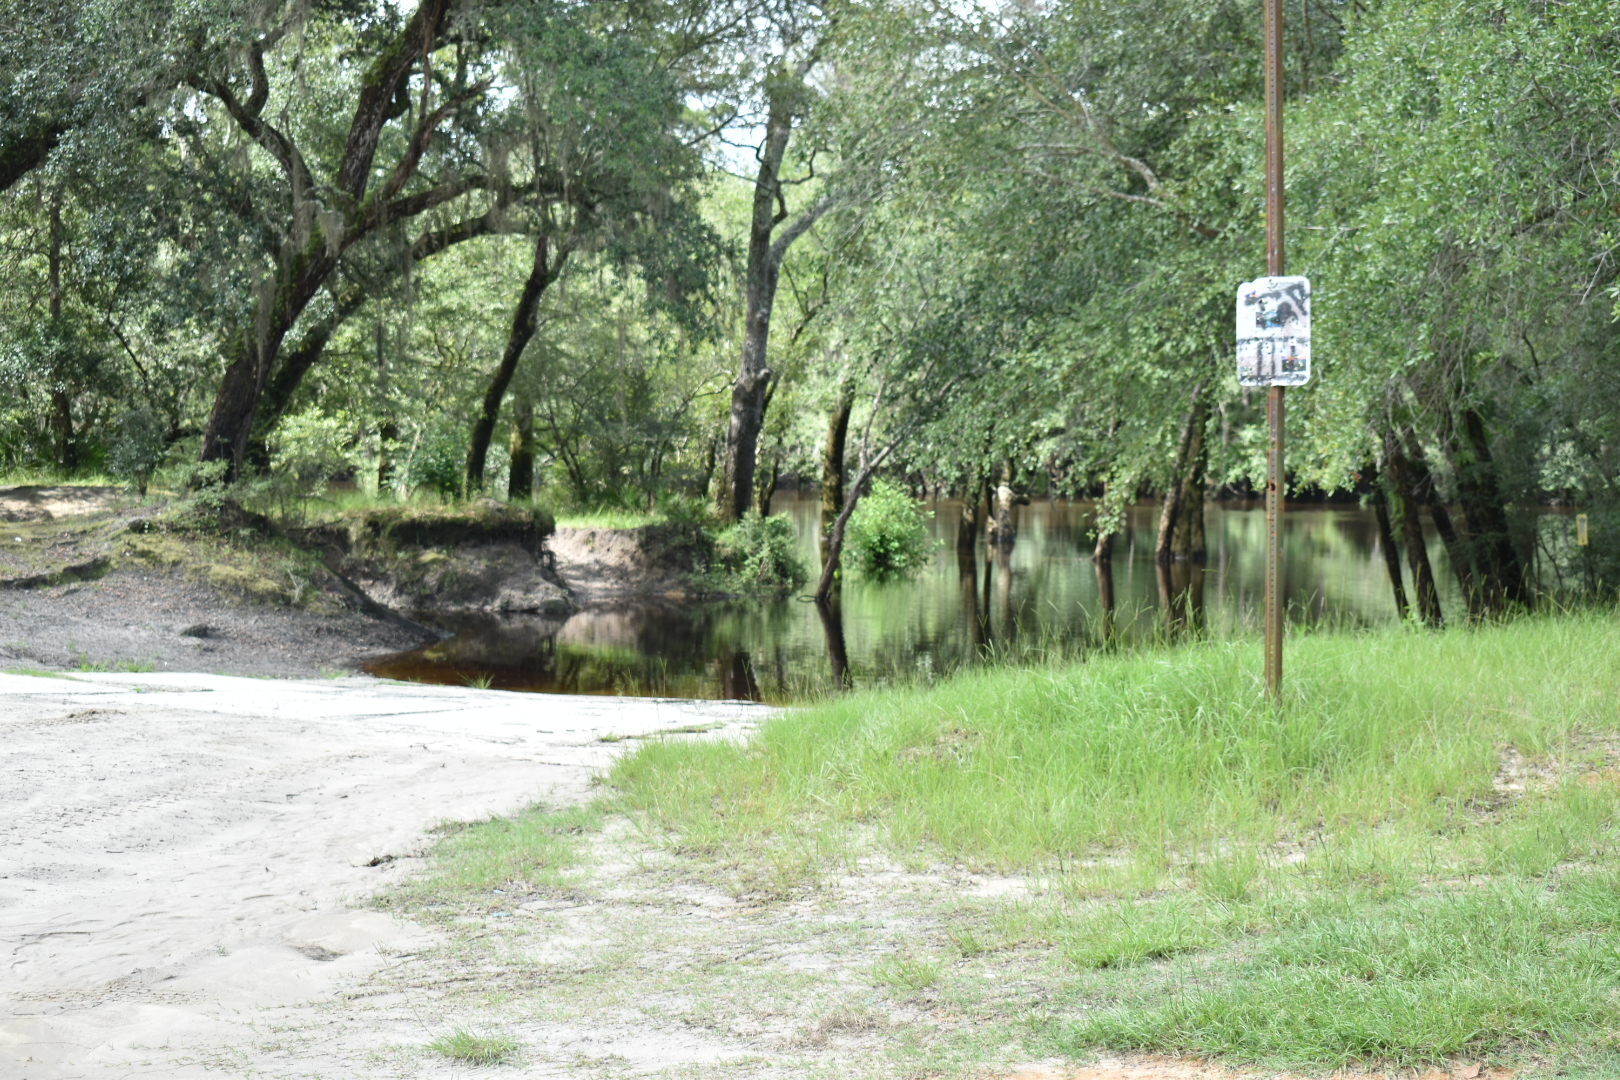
36	673
475	1048
608	518
1410	862
502	857
1145	753
1355	875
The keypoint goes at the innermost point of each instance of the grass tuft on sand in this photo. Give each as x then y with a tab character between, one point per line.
476	1048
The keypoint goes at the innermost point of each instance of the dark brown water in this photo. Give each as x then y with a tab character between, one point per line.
1043	597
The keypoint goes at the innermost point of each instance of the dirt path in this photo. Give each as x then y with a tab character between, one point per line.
180	854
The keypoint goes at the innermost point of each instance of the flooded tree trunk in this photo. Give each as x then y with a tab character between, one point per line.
1181	596
1105	594
1004	594
1387	545
1002	529
1408	523
525	319
737	679
1181	520
970	521
832	630
1499	572
832	465
1427	491
520	477
973	614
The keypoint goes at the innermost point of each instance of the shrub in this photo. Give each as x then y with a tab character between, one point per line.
309	451
437	460
138	447
888	533
759	555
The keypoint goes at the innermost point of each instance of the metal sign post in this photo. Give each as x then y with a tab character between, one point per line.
1274	395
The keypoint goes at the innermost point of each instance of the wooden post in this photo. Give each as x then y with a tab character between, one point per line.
1275	266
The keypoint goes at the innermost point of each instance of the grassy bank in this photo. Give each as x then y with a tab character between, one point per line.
1411	860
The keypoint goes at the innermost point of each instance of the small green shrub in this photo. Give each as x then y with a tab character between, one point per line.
759	555
437	460
309	450
137	447
888	533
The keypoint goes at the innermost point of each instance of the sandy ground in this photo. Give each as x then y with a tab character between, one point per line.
182	856
47	502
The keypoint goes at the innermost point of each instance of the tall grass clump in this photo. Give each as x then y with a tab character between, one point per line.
1165	751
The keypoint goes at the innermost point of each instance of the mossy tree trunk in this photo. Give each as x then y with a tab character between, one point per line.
525	318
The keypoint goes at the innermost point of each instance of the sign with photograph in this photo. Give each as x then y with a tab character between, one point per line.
1274	331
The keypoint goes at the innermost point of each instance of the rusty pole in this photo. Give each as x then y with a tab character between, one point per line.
1274	394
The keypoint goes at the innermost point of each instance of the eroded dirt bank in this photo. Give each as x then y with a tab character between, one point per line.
182	857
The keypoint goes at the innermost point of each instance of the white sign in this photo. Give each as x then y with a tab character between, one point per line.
1274	331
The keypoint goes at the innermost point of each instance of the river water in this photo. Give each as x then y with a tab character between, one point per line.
1043	597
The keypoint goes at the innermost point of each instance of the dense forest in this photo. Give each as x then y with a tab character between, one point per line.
618	253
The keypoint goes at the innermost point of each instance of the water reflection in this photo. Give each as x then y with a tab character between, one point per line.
1043	595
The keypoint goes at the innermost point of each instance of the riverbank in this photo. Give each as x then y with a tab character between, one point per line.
94	579
1411	866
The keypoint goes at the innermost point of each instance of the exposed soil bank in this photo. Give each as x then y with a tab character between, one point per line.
90	579
608	566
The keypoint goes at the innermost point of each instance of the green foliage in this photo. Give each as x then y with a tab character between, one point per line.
888	533
438	459
758	555
311	449
138	447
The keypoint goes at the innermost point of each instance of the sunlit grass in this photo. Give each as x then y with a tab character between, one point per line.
1178	748
476	1048
493	859
1350	876
1410	861
608	518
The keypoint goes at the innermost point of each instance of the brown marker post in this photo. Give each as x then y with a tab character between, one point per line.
1274	394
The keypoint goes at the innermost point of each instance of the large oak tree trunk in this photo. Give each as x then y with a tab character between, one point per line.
317	235
525	319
